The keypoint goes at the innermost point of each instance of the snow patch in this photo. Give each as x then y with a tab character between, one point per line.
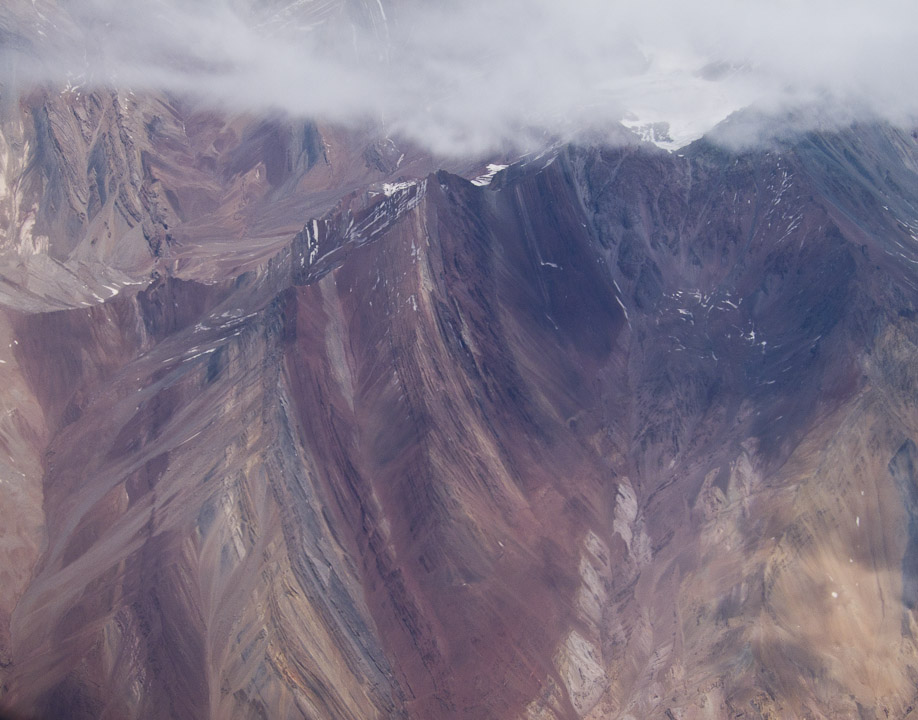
486	179
390	189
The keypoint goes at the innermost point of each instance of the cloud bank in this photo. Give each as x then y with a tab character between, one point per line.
472	76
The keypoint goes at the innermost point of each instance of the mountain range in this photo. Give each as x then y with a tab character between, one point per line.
301	420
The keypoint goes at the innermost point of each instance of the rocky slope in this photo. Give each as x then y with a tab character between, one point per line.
296	427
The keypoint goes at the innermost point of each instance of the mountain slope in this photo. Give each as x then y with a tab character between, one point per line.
620	434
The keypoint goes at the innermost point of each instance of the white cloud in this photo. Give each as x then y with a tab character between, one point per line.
474	75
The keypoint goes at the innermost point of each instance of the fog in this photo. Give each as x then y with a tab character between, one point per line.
475	76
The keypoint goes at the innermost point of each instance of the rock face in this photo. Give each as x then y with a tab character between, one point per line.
297	428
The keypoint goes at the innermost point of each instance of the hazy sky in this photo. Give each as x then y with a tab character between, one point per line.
473	75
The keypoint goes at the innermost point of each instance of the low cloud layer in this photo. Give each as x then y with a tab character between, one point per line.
474	76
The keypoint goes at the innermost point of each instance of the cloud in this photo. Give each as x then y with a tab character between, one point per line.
471	76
